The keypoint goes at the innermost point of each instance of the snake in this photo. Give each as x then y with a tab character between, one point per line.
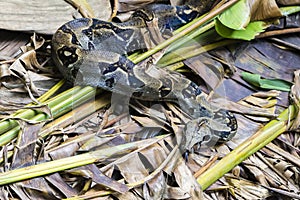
93	52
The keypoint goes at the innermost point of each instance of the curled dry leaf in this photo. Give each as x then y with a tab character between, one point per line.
210	70
36	43
295	96
247	190
261	10
18	70
24	154
129	5
92	172
4	71
288	170
252	108
83	7
152	35
27	64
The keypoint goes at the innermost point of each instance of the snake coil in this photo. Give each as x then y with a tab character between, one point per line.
93	52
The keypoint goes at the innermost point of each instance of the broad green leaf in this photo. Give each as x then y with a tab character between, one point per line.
273	84
237	16
249	33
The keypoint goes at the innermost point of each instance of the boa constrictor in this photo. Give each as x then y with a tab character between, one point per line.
93	52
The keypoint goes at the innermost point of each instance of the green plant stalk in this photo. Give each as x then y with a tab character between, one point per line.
80	112
257	141
76	99
63	121
58	106
11	134
8	124
11	126
187	29
27	114
50	92
188	52
67	163
189	37
287	10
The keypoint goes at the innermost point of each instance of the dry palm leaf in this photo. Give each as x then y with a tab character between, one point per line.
45	17
117	166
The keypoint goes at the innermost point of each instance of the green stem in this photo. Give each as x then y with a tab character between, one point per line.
186	39
191	51
68	163
187	29
264	136
8	124
59	105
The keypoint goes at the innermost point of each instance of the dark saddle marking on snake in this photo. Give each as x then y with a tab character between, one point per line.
93	52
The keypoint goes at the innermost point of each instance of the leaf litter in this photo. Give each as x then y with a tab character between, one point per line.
153	168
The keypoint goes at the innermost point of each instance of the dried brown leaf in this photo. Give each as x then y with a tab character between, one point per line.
245	108
286	169
245	189
94	142
36	43
147	122
24	154
186	180
18	70
129	5
261	10
295	96
211	71
60	185
155	188
46	17
4	71
93	172
37	188
84	8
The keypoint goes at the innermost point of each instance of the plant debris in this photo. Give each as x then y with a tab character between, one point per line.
59	141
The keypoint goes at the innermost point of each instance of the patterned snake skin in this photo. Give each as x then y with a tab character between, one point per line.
93	52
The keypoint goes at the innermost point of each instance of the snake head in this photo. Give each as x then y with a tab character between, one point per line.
209	131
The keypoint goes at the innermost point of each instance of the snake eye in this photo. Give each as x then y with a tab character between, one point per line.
67	55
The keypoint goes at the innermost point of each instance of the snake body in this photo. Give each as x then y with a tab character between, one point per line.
93	52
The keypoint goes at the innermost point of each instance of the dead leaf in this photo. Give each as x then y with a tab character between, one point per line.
93	172
295	96
247	190
129	5
4	71
46	17
211	71
261	10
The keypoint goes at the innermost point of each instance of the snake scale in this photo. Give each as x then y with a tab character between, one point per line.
93	52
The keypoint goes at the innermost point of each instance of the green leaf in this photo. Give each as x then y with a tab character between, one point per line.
273	84
249	33
289	10
237	16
